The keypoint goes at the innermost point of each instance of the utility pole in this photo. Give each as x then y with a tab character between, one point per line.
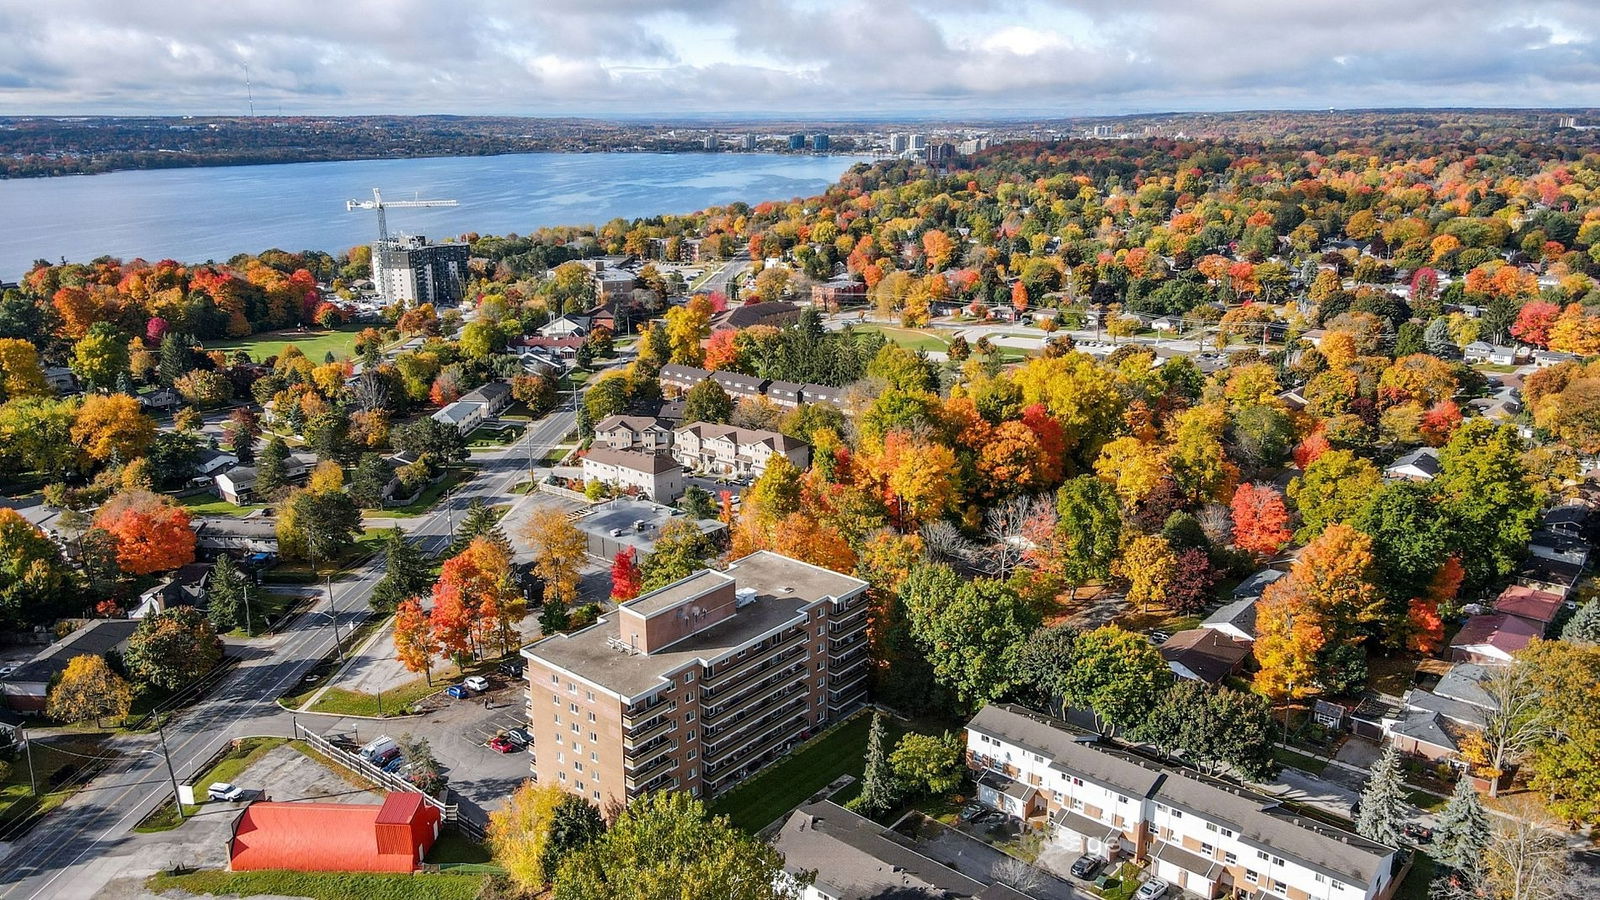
249	629
166	755
27	748
333	616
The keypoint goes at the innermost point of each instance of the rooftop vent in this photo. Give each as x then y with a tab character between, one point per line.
786	589
743	597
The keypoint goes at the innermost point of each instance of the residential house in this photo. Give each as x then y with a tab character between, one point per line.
1206	836
1554	575
1237	618
210	461
1493	638
1543	359
26	689
61	379
700	684
1205	654
776	313
840	291
550	350
1501	408
1559	545
784	393
1432	724
681	378
1569	517
495	397
822	393
644	433
186	586
463	415
1495	354
656	476
235	536
1536	606
850	857
741	386
567	326
161	400
238	485
1421	464
301	836
730	450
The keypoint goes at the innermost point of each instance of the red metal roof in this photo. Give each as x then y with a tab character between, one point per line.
333	837
1529	603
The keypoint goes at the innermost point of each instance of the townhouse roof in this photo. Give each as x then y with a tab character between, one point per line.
488	392
743	437
1529	603
1068	751
1508	634
632	423
95	638
649	463
675	372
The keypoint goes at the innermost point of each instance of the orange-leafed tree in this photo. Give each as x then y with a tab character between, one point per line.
1440	422
110	426
1425	627
1011	461
1260	519
454	619
1019	296
476	582
1334	574
722	351
1534	322
626	579
802	537
1289	636
415	644
151	533
1307	451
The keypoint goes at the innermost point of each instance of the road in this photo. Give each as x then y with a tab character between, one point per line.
733	267
47	862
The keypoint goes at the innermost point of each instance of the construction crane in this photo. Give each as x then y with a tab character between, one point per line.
378	203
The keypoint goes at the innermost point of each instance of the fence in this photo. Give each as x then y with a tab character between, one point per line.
342	754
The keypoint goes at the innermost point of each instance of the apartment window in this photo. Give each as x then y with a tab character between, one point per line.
593	756
577	766
572	688
1280	887
589	696
1319	877
594	738
561	775
597	795
591	717
554	678
1252	874
693	754
690	736
558	718
692	774
1077	782
1227	832
688	677
1230	857
1262	854
575	729
556	699
689	697
572	707
1211	826
1207	849
1161	807
1277	860
561	757
1177	814
1121	799
1338	885
689	716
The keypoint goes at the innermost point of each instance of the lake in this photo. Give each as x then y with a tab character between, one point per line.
194	215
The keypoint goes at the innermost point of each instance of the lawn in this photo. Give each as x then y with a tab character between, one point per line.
493	438
1299	761
786	784
243	754
58	765
394	701
425	500
1418	879
909	338
323	885
315	344
212	505
267	608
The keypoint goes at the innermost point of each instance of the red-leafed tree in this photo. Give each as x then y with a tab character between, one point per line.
722	353
152	534
1052	442
415	644
626	579
1190	589
1426	627
1260	519
1439	422
1534	322
1307	451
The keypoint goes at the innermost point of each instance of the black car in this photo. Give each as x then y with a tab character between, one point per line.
510	669
1086	866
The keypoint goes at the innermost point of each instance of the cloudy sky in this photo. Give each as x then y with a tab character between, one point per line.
791	57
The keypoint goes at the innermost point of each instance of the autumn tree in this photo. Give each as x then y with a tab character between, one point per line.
681	549
1290	637
414	642
152	533
100	357
1334	488
519	831
37	586
1564	759
318	526
1118	675
111	427
21	375
1149	567
1260	521
172	648
559	554
89	689
626	579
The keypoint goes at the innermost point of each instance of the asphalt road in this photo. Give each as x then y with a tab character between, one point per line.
100	817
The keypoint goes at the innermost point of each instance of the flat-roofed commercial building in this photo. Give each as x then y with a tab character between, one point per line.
699	684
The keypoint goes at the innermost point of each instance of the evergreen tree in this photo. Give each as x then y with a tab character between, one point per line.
174	361
367	482
1383	803
224	592
554	618
1584	627
1436	337
1463	833
406	572
272	469
878	793
574	825
480	520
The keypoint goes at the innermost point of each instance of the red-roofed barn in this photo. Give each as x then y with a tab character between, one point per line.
335	837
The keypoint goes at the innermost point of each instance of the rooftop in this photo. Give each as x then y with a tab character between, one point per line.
1508	634
94	639
653	463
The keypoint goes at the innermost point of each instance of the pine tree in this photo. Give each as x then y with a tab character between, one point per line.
223	595
174	361
877	781
1463	833
1584	628
554	618
1383	803
406	572
479	520
271	469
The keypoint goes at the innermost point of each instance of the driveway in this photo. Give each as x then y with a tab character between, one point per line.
977	860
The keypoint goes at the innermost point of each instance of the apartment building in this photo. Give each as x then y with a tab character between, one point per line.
730	450
644	433
699	684
409	269
652	475
1207	836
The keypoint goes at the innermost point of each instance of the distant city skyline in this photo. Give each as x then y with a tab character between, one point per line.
789	58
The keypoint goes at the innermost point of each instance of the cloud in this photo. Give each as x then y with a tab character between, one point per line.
790	57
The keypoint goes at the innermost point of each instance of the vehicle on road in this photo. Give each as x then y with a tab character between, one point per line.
511	668
1152	889
6	670
502	744
1086	866
476	683
457	691
223	790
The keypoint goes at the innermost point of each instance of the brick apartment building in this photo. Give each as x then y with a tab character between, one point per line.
697	685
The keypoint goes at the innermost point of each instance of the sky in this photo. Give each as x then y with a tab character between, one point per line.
788	58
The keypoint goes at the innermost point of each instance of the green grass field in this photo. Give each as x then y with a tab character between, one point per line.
55	762
425	500
165	818
314	343
212	505
781	787
323	885
909	338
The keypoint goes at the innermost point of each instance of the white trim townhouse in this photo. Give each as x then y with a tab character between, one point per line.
1203	834
655	476
495	397
730	450
645	433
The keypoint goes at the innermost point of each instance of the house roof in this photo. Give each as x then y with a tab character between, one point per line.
1209	654
1424	460
752	314
320	837
1069	751
1529	603
97	638
743	437
489	392
675	372
1425	726
1550	571
651	463
632	423
1508	634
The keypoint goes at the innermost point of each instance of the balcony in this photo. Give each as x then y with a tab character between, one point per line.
738	730
767	688
736	771
838	647
796	723
798	655
632	717
660	782
662	765
635	739
642	760
851	621
845	684
711	683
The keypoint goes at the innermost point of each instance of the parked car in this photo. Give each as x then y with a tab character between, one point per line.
503	744
511	668
387	757
222	790
971	812
1086	866
1422	834
395	764
457	691
1152	889
520	735
378	746
476	683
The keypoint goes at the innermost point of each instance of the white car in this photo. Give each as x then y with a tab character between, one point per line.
1152	889
477	683
222	790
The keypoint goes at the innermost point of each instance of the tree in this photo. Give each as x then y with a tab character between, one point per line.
519	831
367	482
1383	802
320	527
1117	675
111	427
414	642
559	554
224	594
1260	521
665	844
1212	728
204	388
20	372
421	767
175	359
1334	575
1584	627
152	533
479	520
430	438
626	579
879	790
88	689
932	765
1333	488
681	550
328	435
686	327
1525	861
36	434
1563	762
272	468
1192	581
172	648
574	825
970	630
1149	567
1463	833
1045	664
707	402
697	503
101	356
37	586
1484	492
1290	636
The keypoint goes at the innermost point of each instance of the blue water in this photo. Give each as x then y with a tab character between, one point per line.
194	215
